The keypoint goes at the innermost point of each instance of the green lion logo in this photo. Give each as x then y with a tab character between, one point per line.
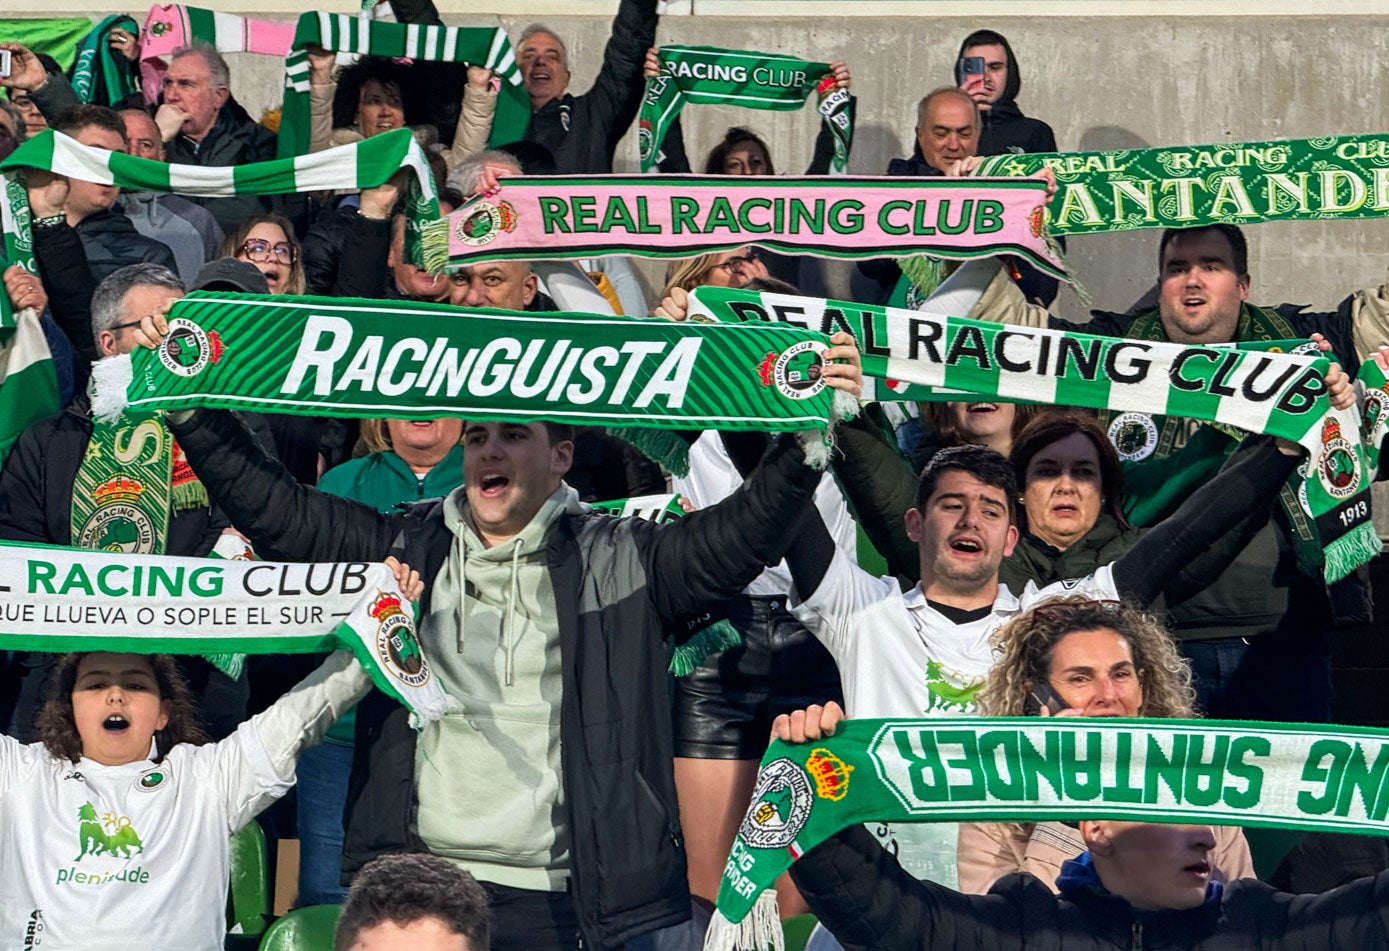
111	834
946	694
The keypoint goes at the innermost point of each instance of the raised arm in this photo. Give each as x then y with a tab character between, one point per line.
1224	514
880	487
617	91
285	521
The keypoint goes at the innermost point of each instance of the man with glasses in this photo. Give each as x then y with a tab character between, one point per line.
201	124
49	486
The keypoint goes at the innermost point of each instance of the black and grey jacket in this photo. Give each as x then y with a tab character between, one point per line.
618	584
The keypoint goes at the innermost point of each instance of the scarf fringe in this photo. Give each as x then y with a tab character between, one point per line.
189	495
1351	550
111	378
230	664
426	713
712	639
760	928
659	445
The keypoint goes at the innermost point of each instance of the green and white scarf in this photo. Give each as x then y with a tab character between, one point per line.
28	384
363	164
344	33
1030	769
1257	391
332	357
1230	183
97	65
64	599
708	75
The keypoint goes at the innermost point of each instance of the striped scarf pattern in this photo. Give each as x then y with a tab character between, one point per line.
169	26
342	33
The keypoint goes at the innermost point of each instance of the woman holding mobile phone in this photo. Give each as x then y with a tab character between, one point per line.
1079	658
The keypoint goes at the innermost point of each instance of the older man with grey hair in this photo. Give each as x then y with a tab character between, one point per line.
582	132
201	124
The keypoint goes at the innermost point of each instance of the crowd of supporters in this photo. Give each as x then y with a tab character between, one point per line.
955	559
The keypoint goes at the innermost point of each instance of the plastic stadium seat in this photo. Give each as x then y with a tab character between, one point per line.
304	929
797	931
248	899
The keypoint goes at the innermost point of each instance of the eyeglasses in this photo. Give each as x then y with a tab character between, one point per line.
125	326
263	252
735	263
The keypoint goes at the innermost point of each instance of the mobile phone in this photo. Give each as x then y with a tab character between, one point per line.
972	66
4	63
1042	695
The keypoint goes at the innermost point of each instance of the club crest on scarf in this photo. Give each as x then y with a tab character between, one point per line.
487	220
1134	436
117	524
187	350
1336	468
781	804
798	372
396	645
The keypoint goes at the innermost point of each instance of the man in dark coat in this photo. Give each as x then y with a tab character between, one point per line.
555	787
582	132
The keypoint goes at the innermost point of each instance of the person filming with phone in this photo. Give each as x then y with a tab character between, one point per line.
987	70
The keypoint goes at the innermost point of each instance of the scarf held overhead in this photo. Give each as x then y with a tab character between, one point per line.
1028	769
705	74
678	216
1258	391
63	599
363	164
322	356
169	26
342	33
1188	186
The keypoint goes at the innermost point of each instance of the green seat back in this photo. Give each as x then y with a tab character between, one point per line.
248	899
304	929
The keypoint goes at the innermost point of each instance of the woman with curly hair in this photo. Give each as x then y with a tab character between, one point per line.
1076	657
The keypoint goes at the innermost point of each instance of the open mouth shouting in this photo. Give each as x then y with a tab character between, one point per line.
493	485
115	724
966	545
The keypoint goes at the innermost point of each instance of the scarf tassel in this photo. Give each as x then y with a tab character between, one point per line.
712	639
1355	548
759	930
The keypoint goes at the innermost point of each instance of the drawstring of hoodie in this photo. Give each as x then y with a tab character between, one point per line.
509	620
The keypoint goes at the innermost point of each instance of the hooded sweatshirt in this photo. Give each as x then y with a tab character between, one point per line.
1004	127
490	789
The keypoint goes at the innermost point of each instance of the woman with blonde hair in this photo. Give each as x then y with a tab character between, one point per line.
1078	657
720	269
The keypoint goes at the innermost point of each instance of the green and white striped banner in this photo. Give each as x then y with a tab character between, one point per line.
68	599
334	357
364	164
1259	391
344	33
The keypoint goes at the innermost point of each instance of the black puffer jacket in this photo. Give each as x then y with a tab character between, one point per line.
111	242
582	132
863	896
345	254
617	583
235	139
